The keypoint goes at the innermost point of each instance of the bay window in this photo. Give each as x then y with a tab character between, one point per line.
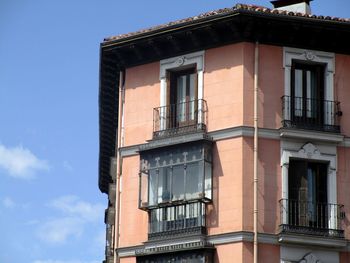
175	174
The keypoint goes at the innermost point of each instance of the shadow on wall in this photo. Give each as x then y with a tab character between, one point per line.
212	209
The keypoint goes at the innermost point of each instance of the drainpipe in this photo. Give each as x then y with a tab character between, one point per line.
120	141
256	68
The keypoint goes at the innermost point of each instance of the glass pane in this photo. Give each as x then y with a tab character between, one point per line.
156	224
164	185
178	183
181	98
311	193
193	181
194	153
144	189
153	186
193	102
298	93
311	94
208	180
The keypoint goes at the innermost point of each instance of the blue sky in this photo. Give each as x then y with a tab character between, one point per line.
51	210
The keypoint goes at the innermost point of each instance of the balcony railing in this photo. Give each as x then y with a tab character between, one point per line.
179	118
183	219
313	114
311	218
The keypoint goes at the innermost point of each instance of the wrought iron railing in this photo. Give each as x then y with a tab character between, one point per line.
306	113
179	118
181	219
311	218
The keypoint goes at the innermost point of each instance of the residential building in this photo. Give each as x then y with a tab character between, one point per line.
225	137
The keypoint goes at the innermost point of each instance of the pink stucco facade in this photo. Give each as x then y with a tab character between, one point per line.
228	86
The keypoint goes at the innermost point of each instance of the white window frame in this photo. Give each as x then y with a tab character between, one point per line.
327	58
308	151
197	59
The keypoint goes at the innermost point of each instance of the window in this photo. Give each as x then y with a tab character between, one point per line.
307	92
308	194
176	174
183	97
308	101
309	190
191	256
182	108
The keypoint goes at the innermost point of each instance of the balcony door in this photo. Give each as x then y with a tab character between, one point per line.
183	97
307	93
308	194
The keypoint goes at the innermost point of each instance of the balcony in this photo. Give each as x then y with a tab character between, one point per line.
310	114
182	118
318	219
177	220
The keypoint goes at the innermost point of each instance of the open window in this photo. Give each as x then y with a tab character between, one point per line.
307	93
308	101
308	194
183	99
182	108
309	191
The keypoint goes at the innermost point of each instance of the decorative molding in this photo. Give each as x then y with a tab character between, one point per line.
327	58
245	131
196	58
312	241
236	237
309	151
312	135
305	54
310	258
309	55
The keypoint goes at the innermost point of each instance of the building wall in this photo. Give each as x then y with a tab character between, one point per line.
142	90
228	90
269	184
224	76
133	221
342	91
226	212
343	182
225	253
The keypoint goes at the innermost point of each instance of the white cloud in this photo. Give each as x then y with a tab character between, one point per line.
8	202
20	162
64	261
71	205
58	230
76	214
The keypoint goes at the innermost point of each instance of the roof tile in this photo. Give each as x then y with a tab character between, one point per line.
237	7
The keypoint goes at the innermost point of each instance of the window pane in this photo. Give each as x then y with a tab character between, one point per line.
298	93
193	181
144	189
164	185
192	91
194	153
153	185
178	183
181	98
208	180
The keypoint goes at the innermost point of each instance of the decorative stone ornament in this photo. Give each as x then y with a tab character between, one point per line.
309	55
309	258
180	61
310	151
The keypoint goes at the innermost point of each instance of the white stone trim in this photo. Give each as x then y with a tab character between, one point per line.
327	58
197	59
309	151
